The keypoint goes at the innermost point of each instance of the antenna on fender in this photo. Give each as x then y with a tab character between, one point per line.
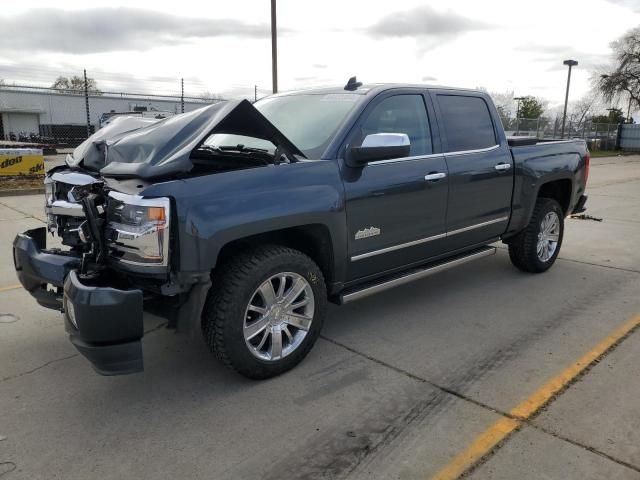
352	84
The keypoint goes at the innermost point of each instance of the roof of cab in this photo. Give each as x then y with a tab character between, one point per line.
369	89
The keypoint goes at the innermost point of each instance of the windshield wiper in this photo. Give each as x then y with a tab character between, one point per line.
234	148
276	157
241	148
258	153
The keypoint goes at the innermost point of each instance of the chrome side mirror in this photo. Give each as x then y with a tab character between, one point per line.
379	146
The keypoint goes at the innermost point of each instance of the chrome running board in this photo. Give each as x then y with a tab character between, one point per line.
414	274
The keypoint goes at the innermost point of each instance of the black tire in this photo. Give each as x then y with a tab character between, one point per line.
523	248
233	286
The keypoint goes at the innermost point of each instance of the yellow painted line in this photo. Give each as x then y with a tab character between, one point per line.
497	432
10	287
482	445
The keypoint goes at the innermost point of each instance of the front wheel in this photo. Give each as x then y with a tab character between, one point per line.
536	248
265	310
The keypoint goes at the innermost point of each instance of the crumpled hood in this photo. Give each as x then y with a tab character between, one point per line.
145	148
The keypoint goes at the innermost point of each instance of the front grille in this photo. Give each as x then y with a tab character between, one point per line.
63	206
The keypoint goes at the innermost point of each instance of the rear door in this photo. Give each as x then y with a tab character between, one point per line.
395	215
480	168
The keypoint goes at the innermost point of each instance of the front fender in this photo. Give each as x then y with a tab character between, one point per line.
214	210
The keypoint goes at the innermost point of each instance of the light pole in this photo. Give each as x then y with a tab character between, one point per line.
570	63
518	99
274	47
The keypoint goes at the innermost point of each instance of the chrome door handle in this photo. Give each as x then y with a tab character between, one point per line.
502	167
435	176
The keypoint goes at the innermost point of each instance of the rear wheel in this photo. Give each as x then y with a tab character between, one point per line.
265	311
536	248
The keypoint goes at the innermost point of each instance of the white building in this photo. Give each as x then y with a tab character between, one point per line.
59	114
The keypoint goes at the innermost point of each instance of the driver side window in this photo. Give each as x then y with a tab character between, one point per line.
402	114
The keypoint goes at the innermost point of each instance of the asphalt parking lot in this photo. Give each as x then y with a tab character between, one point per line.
481	369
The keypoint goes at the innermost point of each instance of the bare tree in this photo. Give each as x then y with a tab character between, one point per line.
506	106
504	101
210	96
622	79
580	110
76	84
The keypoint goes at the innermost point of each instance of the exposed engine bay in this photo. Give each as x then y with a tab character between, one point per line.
115	236
119	226
179	147
103	226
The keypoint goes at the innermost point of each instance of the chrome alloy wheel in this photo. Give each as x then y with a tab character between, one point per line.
548	237
278	316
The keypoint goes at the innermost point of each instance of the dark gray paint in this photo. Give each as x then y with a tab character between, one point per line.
210	211
216	209
392	195
478	192
538	164
213	210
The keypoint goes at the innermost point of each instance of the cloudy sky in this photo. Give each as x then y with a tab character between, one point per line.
224	47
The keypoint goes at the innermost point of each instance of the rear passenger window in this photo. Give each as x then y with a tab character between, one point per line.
467	123
402	114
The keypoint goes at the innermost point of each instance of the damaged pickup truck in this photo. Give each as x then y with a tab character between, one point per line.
242	221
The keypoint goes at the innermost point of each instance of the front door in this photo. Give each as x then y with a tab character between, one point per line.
480	170
396	208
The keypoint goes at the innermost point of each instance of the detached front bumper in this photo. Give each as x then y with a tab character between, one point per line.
104	323
37	269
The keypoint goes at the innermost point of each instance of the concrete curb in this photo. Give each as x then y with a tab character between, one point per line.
21	191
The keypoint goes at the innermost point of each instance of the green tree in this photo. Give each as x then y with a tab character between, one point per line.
531	107
76	84
615	116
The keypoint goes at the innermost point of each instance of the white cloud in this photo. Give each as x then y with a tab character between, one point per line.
105	29
224	46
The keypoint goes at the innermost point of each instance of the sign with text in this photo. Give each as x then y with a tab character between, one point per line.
21	161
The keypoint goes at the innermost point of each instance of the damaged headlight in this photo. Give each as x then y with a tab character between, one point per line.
49	190
138	229
49	198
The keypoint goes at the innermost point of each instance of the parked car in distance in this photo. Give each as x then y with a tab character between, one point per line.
243	220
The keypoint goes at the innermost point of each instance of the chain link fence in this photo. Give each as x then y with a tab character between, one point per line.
63	118
599	136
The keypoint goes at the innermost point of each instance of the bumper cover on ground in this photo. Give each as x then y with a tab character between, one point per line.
105	325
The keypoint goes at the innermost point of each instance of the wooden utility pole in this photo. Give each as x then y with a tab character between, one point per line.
274	47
